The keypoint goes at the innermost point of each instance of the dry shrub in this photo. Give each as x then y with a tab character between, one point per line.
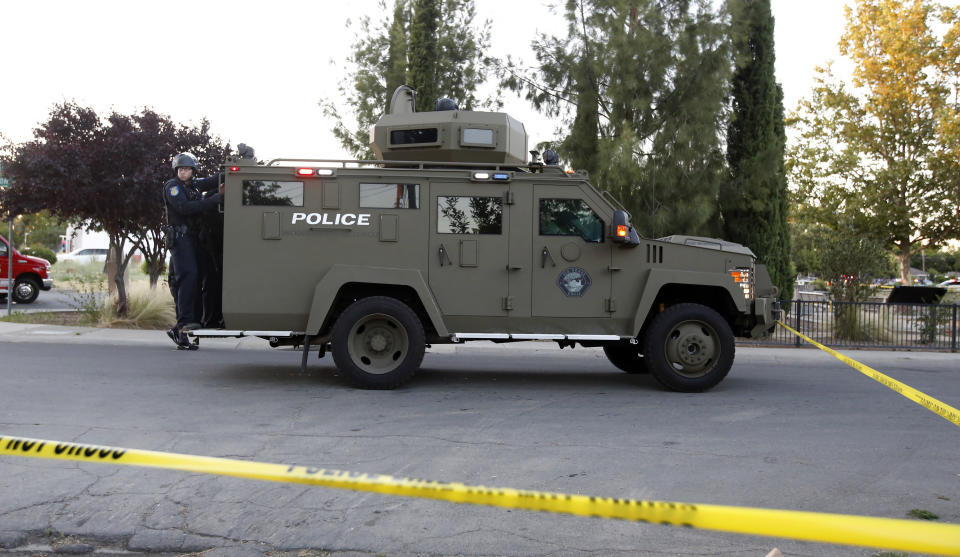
146	309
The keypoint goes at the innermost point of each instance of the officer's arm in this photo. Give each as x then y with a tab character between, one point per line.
209	183
178	201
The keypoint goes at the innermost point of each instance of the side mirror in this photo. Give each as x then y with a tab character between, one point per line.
623	232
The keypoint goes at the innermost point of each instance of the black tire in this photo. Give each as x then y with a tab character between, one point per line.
378	342
25	290
689	348
626	357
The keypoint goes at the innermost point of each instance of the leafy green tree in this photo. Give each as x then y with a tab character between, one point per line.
424	52
105	173
459	64
884	154
641	86
754	202
38	229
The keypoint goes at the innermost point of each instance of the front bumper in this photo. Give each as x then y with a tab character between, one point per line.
47	284
766	313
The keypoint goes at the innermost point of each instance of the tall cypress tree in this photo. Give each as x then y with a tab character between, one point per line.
642	86
396	66
754	200
459	63
423	52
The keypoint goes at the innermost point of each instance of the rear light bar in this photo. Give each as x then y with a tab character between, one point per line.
308	172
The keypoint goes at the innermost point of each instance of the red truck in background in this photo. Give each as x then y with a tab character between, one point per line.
30	275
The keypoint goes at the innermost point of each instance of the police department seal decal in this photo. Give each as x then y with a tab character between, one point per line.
174	190
574	282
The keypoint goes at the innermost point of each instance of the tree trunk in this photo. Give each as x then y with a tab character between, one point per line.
903	255
119	271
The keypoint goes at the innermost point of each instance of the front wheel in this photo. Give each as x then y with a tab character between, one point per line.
689	347
378	342
25	291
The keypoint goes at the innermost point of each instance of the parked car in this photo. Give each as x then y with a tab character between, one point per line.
952	284
30	275
85	255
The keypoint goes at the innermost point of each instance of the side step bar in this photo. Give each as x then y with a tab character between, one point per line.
457	337
214	333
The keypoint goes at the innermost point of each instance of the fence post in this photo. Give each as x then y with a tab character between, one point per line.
796	326
953	339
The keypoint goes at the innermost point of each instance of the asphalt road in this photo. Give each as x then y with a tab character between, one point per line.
791	429
55	299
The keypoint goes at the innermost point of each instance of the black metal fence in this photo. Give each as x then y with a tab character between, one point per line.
869	325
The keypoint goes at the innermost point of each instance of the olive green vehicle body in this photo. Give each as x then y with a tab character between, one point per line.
292	266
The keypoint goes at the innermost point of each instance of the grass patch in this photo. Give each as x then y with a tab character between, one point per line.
891	554
68	318
922	514
146	309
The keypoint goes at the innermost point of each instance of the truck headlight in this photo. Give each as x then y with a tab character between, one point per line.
744	277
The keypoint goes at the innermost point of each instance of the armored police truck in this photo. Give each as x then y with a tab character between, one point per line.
451	236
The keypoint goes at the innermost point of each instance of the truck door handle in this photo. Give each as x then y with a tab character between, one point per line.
514	268
444	258
544	255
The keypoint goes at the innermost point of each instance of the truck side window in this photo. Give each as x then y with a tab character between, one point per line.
390	196
3	250
469	215
570	217
272	193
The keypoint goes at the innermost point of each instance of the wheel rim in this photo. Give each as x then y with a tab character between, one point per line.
691	348
378	343
24	290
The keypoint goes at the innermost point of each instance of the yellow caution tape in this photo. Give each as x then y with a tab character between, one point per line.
886	533
939	408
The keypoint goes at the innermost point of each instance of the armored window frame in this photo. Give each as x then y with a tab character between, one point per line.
377	196
287	193
416	136
581	220
474	223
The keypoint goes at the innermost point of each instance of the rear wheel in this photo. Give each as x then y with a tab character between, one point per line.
25	290
378	342
626	357
689	347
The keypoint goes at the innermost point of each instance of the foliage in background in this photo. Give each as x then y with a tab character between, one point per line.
941	260
39	229
849	261
754	201
385	56
884	154
641	86
41	252
106	173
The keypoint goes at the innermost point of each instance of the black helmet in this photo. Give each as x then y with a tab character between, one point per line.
185	159
445	104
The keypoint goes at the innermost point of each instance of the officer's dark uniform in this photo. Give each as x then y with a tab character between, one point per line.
211	276
186	209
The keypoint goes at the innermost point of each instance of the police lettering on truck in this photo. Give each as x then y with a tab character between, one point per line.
336	219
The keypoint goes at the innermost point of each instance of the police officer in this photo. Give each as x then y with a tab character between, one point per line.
186	209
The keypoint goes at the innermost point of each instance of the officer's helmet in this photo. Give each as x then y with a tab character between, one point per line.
445	104
185	159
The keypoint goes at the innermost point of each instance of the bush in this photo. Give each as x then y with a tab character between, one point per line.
40	251
147	308
146	270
